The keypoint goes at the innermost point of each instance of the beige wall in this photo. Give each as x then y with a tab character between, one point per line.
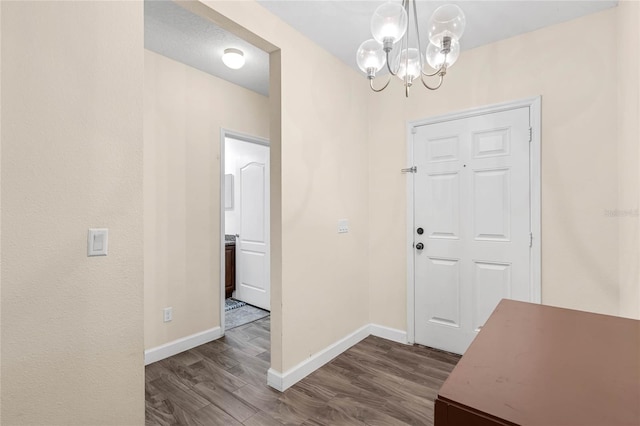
275	159
324	174
184	112
0	215
72	76
628	26
574	68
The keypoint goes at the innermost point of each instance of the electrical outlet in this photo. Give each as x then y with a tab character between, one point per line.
343	226
167	314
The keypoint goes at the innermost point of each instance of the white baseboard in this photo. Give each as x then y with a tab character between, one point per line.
283	381
172	348
388	333
275	379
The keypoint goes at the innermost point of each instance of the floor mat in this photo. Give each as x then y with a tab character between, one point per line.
243	315
231	303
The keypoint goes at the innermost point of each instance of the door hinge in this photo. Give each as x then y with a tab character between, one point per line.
414	130
413	169
530	239
530	134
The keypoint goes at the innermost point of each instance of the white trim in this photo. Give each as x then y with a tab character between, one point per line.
283	381
184	344
223	138
245	137
534	105
388	333
535	117
276	379
473	112
410	239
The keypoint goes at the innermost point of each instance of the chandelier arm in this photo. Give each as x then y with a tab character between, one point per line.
432	88
442	70
389	67
380	89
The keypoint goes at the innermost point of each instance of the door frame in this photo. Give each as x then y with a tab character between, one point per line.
224	134
534	105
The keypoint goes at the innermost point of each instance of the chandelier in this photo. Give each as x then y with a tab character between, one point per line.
390	29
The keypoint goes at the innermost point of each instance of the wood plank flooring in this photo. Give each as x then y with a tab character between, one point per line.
376	382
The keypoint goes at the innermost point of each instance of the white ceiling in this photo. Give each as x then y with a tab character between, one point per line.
339	27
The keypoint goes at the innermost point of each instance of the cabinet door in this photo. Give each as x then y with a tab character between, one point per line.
230	269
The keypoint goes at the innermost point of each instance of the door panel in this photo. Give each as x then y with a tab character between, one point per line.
444	149
252	196
492	281
446	282
444	221
471	195
491	143
491	205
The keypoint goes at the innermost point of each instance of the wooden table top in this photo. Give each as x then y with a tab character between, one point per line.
539	365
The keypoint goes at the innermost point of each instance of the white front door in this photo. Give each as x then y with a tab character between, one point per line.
252	241
472	223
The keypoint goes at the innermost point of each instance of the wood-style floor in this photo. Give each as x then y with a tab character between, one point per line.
376	382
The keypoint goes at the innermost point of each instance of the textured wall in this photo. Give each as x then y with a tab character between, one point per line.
185	110
72	76
0	215
574	68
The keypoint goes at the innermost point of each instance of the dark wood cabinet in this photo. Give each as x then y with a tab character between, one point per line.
229	269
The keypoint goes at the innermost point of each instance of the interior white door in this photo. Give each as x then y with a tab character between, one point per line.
471	199
252	241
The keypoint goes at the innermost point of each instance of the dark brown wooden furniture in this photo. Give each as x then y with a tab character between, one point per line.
229	269
540	365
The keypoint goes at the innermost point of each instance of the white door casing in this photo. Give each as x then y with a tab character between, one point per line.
476	199
252	241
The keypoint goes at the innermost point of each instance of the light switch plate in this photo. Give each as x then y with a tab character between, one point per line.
98	242
343	226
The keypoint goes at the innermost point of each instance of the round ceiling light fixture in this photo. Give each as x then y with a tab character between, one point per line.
233	58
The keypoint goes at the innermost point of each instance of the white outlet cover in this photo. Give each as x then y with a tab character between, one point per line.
343	226
167	314
98	242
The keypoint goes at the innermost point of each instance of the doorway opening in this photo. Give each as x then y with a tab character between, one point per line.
245	231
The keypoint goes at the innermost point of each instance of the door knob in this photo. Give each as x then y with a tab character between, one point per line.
419	246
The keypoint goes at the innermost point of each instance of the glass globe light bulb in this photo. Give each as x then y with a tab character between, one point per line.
447	21
389	22
370	56
435	57
410	67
